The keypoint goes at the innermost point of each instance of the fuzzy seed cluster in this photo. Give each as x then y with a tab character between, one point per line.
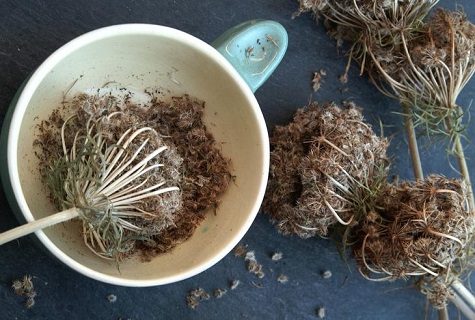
24	287
316	161
420	228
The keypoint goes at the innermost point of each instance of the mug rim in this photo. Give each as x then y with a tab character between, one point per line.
33	82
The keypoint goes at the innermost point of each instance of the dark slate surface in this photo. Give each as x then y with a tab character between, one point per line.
30	30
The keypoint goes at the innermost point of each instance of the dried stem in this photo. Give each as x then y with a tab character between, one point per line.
413	145
464	172
462	306
36	225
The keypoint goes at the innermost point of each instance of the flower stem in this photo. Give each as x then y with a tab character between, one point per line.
412	140
463	300
464	293
443	314
33	226
464	172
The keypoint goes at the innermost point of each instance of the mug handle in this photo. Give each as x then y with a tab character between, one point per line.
254	48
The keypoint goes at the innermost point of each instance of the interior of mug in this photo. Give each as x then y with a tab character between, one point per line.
141	57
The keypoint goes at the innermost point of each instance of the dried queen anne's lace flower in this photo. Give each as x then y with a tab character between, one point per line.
424	61
317	162
420	228
157	144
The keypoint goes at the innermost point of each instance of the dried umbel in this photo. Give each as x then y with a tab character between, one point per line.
322	165
369	24
430	69
423	62
170	137
114	174
420	228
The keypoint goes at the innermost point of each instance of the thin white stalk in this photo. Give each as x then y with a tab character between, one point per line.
33	226
465	294
462	306
119	182
150	194
335	214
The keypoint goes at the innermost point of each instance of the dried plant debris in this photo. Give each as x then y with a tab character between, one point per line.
253	266
323	164
250	257
420	228
240	251
258	285
277	256
320	312
426	61
235	284
24	287
112	298
283	278
326	274
17	286
219	293
317	79
195	296
191	161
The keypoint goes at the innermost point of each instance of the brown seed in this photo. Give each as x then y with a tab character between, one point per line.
320	312
218	293
277	256
30	303
283	278
112	298
17	286
27	283
240	251
234	284
326	274
31	294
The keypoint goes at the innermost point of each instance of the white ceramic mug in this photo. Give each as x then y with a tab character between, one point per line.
139	56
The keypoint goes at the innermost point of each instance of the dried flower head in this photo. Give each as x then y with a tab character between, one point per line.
112	174
422	229
319	163
156	221
424	62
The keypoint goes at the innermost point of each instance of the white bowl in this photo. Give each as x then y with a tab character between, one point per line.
140	56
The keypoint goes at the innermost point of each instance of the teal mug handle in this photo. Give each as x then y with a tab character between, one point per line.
254	48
